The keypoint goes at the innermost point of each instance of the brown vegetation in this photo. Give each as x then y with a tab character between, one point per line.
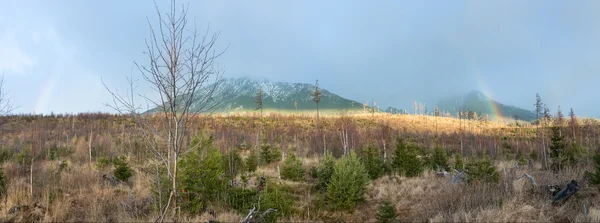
48	164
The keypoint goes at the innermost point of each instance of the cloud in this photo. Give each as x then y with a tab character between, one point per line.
13	59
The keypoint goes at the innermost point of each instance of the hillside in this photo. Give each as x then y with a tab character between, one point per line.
482	104
239	94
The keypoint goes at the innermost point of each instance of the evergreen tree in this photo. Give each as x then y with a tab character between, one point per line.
348	184
316	97
573	123
200	179
560	118
259	101
557	149
373	161
325	170
440	159
386	213
251	162
458	162
292	168
482	171
122	170
595	176
232	164
406	161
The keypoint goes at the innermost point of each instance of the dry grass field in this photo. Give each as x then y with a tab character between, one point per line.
54	166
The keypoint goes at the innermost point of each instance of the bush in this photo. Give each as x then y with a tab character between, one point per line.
3	185
241	199
372	161
440	159
103	162
324	171
269	154
122	170
348	183
386	213
557	150
482	171
406	161
251	162
200	179
575	154
232	164
458	162
292	168
278	197
595	176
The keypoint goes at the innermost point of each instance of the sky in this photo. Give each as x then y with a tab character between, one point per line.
54	54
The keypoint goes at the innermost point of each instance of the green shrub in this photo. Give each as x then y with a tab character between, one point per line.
594	177
348	183
406	159
103	162
575	154
24	156
200	179
557	150
386	212
278	197
521	159
482	171
3	185
5	155
373	161
251	162
292	168
440	159
232	164
122	170
458	162
269	154
241	199
324	171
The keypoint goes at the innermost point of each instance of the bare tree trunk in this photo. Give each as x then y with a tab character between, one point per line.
90	146
31	179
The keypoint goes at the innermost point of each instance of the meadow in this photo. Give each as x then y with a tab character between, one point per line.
97	167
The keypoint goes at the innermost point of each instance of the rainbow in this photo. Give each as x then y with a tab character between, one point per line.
493	107
46	91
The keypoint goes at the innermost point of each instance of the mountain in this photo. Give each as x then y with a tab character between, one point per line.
239	94
480	103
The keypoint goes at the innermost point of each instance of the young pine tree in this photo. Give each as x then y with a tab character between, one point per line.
440	159
482	171
595	176
122	170
200	179
325	170
557	149
386	213
373	161
251	162
292	168
348	184
405	160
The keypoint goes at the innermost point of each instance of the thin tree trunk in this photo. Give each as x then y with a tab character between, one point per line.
31	179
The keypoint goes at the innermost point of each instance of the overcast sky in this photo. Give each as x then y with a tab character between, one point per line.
53	53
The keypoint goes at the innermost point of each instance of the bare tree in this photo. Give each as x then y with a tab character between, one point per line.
6	104
183	71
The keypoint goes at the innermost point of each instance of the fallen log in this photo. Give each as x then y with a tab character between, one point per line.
566	193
